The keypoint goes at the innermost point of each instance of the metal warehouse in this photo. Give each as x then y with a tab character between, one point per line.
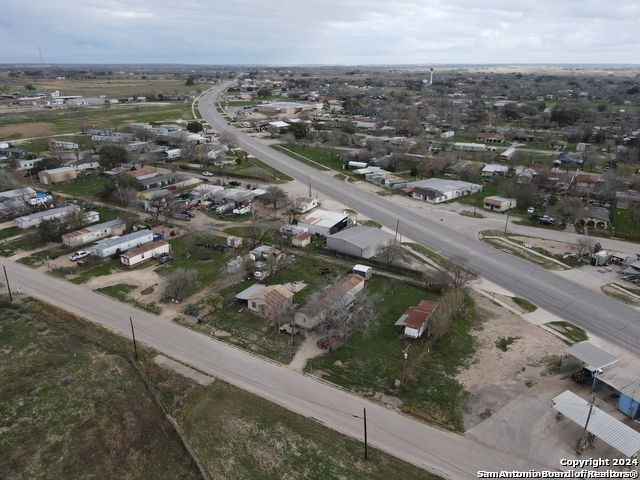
359	241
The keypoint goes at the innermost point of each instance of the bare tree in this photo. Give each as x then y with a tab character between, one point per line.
181	283
228	139
393	252
450	304
568	210
275	197
455	273
583	246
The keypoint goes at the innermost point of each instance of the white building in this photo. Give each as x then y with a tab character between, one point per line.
499	204
36	219
110	246
494	169
145	253
359	241
323	222
28	164
436	190
470	147
94	233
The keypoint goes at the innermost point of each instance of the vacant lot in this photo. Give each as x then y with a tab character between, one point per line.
73	406
239	435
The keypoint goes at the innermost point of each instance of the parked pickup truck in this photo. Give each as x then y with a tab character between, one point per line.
586	375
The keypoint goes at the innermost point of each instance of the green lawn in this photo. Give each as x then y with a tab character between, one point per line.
303	158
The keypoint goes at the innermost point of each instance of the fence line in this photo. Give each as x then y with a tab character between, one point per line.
171	420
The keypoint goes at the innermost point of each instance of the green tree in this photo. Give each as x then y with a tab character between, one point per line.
194	127
300	130
122	187
112	156
264	93
47	163
30	87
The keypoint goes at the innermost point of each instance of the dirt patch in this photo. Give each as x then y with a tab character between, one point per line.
183	370
496	376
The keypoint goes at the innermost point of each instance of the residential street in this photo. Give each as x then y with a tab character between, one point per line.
442	452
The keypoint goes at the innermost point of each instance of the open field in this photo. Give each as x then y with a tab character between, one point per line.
72	405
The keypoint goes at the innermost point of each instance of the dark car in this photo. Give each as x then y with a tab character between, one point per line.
586	375
188	213
326	342
164	259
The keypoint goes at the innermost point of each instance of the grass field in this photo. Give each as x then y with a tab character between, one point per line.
239	435
72	405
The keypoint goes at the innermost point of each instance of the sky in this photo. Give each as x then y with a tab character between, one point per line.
328	32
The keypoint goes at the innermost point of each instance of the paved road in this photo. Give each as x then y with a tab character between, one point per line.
600	315
441	452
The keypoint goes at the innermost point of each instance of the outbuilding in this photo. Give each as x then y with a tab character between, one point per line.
359	241
499	204
325	223
301	240
145	253
57	176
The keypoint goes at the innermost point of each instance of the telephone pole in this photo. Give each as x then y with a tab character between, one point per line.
580	446
133	334
8	287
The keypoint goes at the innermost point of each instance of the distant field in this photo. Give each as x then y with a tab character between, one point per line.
40	123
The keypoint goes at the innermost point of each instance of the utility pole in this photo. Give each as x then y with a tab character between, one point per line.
404	366
365	432
397	227
309	182
133	334
580	446
8	287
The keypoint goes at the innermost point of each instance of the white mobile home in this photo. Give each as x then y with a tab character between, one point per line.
111	246
172	154
94	233
145	253
36	219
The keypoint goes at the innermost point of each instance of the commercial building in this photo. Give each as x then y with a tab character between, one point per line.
323	222
359	241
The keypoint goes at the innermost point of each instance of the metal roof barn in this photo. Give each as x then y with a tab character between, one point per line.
608	429
359	241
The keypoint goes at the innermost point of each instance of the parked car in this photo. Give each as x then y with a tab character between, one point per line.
234	183
164	259
79	255
586	375
546	220
326	342
531	210
188	213
289	330
207	174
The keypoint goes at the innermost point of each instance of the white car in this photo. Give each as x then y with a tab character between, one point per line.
79	255
531	210
207	174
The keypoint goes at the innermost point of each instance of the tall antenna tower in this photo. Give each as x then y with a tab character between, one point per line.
41	62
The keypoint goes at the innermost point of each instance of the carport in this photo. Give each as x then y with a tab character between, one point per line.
608	429
587	353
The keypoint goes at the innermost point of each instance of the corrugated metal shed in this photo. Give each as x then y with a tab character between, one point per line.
608	429
245	294
632	390
618	378
592	355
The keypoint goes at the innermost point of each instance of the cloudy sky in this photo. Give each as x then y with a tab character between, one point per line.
345	32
